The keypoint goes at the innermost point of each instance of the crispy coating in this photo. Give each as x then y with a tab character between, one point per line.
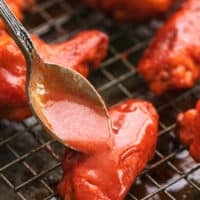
18	7
109	174
172	59
131	10
81	53
189	130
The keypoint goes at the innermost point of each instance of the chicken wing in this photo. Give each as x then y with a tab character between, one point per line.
172	59
108	174
18	6
189	130
82	53
131	10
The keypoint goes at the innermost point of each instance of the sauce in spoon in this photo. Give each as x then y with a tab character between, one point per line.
72	116
66	104
76	121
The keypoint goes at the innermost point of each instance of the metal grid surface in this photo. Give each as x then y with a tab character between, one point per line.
29	158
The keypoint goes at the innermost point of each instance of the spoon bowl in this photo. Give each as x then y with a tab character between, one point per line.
69	112
64	101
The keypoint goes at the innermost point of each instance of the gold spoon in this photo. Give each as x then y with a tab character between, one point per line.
67	105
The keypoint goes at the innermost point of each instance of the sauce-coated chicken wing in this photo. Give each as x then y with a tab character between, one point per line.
189	130
172	59
131	10
109	173
81	53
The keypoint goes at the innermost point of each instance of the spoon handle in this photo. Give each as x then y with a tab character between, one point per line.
19	33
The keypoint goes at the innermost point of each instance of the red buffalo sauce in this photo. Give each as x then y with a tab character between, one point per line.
108	175
79	123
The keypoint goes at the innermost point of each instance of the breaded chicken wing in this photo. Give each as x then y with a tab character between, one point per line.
81	53
131	10
172	59
109	173
189	130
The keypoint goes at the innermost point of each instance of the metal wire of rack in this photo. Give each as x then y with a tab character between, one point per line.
30	159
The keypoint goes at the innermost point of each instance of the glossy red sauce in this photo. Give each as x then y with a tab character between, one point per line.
74	120
108	175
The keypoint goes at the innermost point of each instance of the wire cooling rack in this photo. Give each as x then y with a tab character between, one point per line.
30	159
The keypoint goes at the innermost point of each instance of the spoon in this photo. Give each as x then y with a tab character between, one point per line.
66	104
